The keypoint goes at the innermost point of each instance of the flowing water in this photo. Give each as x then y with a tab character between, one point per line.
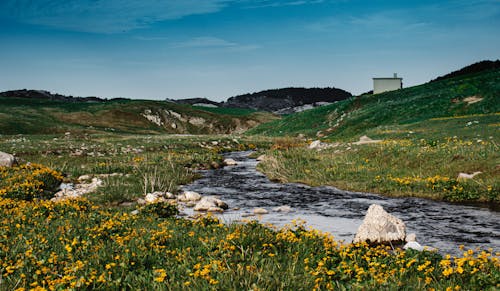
437	224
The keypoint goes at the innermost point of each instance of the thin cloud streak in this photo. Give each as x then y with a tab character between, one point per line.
106	16
208	42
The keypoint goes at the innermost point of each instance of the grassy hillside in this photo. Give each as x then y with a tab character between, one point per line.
428	135
41	116
418	106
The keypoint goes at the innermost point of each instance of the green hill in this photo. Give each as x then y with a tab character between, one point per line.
42	116
429	107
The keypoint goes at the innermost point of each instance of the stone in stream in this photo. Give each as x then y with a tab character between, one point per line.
7	160
283	208
230	162
380	227
260	211
189	196
209	202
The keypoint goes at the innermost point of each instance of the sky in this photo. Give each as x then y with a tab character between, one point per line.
157	49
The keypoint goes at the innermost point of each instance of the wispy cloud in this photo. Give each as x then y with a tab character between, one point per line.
105	16
209	42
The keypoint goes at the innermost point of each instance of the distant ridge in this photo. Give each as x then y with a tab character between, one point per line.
42	94
287	100
474	68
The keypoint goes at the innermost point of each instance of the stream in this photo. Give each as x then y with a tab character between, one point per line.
440	225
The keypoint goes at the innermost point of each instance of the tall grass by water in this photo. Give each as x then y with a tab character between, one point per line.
395	167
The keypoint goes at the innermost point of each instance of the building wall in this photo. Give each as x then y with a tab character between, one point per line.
386	84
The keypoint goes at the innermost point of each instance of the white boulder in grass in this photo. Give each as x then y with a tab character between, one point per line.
380	227
7	160
465	176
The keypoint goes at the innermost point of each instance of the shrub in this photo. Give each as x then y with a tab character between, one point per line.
163	210
29	181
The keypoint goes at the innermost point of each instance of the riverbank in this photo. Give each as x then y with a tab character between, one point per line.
426	168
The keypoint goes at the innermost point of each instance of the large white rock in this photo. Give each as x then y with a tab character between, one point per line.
188	196
208	202
7	160
380	227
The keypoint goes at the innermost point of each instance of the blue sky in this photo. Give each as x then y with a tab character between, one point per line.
161	49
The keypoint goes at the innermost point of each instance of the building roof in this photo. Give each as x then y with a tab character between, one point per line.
388	78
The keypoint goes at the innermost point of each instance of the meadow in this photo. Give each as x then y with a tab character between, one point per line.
95	242
418	167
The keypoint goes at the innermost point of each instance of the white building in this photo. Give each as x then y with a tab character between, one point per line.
387	84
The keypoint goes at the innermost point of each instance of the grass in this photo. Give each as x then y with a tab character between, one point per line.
41	116
77	245
227	111
145	163
418	167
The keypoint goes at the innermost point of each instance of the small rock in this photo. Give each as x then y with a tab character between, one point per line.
66	186
284	208
209	201
214	165
366	140
380	227
414	246
191	204
135	212
153	198
314	144
261	158
7	160
189	196
84	177
230	162
260	211
215	209
465	176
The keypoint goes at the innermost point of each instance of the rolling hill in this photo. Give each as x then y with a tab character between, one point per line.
435	106
46	115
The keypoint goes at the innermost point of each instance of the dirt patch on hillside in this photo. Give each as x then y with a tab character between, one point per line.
472	99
